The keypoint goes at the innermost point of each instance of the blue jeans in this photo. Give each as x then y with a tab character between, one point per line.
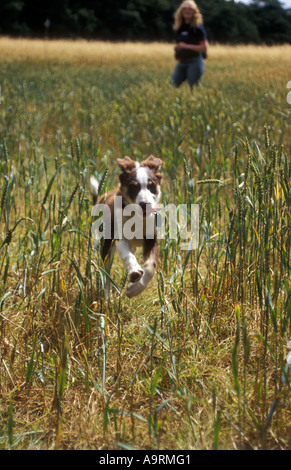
190	70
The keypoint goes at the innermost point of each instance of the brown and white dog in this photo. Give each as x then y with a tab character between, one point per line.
139	186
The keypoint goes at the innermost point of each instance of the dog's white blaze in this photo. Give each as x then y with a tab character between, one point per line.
142	177
144	195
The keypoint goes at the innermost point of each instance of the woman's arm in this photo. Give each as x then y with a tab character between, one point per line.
201	47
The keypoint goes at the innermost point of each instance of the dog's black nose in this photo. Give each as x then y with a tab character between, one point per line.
146	208
143	205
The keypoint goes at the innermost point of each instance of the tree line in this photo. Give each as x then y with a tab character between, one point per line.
226	21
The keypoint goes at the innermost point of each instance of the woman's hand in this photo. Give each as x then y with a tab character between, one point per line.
181	45
202	47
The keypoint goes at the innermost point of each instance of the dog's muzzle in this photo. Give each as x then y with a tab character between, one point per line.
147	209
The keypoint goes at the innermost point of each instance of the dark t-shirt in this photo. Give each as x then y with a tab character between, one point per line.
189	35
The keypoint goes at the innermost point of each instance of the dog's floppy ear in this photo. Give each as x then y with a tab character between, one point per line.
152	163
126	164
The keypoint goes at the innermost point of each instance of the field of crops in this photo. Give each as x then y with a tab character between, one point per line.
199	360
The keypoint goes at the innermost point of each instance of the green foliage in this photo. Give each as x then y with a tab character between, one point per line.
225	21
196	361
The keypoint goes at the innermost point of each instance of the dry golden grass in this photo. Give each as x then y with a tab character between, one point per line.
108	53
174	387
253	53
84	52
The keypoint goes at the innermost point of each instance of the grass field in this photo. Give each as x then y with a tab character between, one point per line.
198	361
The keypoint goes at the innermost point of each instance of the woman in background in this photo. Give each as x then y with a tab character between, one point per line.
191	44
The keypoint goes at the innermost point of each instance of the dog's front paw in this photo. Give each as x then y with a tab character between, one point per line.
135	275
134	288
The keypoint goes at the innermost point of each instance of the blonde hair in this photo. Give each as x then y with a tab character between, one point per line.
178	16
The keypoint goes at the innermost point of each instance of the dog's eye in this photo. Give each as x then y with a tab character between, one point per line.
133	189
152	187
134	185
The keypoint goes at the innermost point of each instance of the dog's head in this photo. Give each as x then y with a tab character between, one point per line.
140	182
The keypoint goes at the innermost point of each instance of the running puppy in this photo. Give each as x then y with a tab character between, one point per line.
138	191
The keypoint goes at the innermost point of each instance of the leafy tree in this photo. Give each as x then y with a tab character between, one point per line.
225	20
11	16
273	23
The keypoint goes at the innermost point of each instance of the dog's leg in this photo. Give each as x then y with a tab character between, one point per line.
151	251
129	261
107	265
106	248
